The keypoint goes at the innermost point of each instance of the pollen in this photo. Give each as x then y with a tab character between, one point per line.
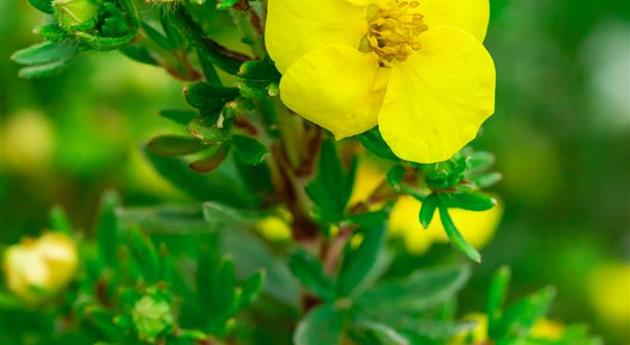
393	31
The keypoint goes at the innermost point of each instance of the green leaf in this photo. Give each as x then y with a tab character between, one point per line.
260	79
225	4
421	290
174	37
45	52
211	161
395	176
253	254
331	188
473	201
218	186
373	142
248	150
208	50
496	296
480	161
217	213
43	70
179	116
382	332
447	174
145	255
456	239
250	289
206	131
422	331
310	272
225	290
52	32
205	277
358	263
486	180
260	70
322	325
202	95
107	230
207	66
427	211
43	5
518	318
372	219
257	89
139	53
172	145
157	37
59	221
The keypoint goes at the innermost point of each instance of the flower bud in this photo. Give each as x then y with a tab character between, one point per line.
35	269
152	317
75	12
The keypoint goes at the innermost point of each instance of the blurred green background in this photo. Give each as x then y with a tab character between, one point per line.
561	134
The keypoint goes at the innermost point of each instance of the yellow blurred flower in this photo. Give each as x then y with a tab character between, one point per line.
418	69
548	329
609	294
37	268
478	228
27	141
368	177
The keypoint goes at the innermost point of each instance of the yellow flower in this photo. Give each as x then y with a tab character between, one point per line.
418	69
609	294
37	268
476	227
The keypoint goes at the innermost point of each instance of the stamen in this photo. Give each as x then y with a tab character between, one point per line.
393	31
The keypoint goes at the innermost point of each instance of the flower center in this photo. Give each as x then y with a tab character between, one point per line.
393	31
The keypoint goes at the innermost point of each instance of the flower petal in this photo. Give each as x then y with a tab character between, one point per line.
295	27
469	15
438	98
337	87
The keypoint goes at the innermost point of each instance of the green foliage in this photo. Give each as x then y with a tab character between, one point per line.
201	272
374	142
513	324
44	59
248	150
311	274
208	97
171	145
323	325
358	263
331	188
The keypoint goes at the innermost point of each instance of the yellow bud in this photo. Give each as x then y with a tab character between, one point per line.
35	269
275	228
75	12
